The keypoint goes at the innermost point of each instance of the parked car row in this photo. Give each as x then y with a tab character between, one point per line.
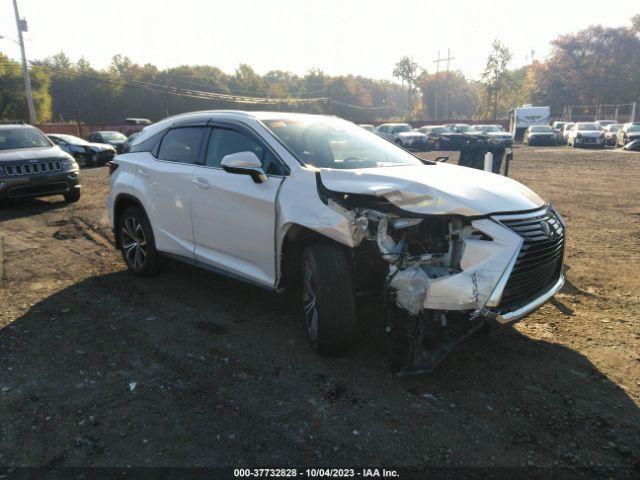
441	137
597	134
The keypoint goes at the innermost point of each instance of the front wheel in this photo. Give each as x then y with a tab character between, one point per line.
137	243
72	195
328	300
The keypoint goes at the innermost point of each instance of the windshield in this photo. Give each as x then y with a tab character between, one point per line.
403	128
633	128
464	128
491	128
440	130
73	140
113	136
589	126
22	138
541	129
333	143
613	128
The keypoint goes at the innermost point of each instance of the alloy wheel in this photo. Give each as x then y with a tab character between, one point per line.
309	303
134	243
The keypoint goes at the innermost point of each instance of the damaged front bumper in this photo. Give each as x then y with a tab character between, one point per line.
508	318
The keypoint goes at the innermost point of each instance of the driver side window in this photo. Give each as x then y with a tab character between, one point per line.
223	142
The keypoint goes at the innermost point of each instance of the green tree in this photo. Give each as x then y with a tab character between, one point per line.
407	70
494	77
13	99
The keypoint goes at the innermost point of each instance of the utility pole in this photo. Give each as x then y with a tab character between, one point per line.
446	86
435	88
435	91
22	27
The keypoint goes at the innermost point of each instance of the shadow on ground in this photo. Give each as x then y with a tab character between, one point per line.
189	368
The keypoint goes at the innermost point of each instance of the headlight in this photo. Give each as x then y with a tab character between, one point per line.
69	164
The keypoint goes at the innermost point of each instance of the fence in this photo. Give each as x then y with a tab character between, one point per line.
83	130
621	113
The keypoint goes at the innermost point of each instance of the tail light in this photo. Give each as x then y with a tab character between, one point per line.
111	167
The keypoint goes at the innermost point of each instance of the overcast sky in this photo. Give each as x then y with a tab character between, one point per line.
339	36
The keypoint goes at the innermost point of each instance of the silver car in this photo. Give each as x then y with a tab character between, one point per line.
403	134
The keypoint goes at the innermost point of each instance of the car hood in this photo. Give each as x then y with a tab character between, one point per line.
499	134
436	189
590	133
101	146
411	134
32	154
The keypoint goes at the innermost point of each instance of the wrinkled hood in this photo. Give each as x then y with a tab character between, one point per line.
435	189
32	154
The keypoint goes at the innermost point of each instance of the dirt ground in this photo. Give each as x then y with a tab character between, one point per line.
100	368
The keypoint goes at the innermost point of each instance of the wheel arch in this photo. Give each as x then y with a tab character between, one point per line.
294	241
122	202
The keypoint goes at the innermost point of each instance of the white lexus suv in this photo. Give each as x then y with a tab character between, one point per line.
338	216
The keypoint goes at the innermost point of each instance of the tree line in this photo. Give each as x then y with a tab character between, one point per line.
597	65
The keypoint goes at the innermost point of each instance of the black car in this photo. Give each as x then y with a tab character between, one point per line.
84	152
441	137
127	144
633	146
32	166
540	135
116	139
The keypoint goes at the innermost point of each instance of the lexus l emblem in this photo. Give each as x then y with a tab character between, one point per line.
547	229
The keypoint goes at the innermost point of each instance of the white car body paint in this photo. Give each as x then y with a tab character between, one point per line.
436	189
239	226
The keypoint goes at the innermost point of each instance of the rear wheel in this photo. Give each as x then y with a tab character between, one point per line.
328	300
137	243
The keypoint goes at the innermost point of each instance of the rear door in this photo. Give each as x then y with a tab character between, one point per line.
167	183
234	218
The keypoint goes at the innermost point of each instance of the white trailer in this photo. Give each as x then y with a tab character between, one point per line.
521	118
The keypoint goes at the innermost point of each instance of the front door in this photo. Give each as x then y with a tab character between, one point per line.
234	218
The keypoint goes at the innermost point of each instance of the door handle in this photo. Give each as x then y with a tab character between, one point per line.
201	182
144	173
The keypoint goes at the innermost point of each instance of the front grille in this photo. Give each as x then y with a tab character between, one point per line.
30	168
539	263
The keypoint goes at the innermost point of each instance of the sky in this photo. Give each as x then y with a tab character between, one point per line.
338	36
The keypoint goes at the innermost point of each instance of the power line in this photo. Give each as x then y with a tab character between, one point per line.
180	91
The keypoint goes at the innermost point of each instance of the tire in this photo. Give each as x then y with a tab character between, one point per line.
327	299
81	160
137	244
72	195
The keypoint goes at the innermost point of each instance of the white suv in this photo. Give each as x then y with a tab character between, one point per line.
330	212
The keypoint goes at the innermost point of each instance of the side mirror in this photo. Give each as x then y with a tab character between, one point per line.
244	163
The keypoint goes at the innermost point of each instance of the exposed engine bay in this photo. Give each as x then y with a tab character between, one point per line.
435	273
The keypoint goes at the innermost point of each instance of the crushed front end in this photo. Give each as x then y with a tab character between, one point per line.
444	277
